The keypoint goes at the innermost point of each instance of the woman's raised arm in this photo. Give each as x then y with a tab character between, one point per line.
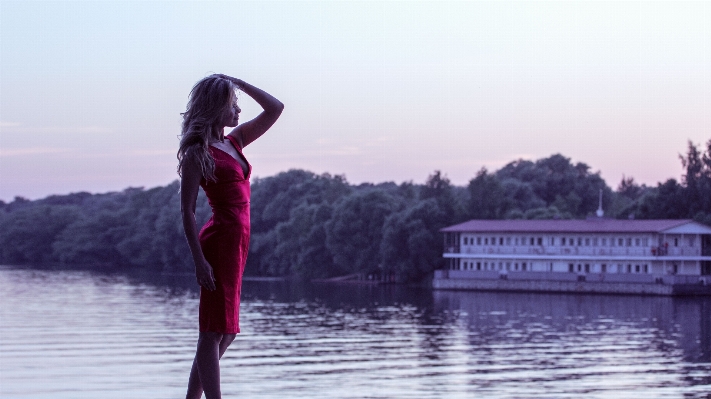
247	132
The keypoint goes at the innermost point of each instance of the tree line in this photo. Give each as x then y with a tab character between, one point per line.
317	226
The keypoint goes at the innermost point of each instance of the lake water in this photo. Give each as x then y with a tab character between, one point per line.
75	334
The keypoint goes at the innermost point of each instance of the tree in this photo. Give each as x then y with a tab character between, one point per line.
354	233
629	188
411	247
440	188
487	198
521	195
273	198
274	201
673	200
26	235
301	244
553	181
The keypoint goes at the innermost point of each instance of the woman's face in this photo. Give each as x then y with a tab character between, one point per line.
230	116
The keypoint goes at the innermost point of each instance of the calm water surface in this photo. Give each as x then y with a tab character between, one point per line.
73	334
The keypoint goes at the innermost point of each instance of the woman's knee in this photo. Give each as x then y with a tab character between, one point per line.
227	340
209	338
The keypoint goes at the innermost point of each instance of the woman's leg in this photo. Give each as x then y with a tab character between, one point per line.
205	373
195	386
225	342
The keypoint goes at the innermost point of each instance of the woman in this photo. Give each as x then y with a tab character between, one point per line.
206	159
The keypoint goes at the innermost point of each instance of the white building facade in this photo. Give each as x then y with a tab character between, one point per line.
644	251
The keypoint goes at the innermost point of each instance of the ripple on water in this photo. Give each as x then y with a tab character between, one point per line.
68	334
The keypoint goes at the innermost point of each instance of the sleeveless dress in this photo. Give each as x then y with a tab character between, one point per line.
225	241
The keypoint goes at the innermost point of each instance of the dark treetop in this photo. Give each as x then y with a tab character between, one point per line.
316	226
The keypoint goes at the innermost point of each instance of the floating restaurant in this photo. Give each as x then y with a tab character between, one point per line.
597	255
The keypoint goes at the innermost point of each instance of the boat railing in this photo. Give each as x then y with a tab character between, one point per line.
542	250
633	278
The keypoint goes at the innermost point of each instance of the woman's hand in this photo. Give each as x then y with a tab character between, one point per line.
204	275
237	82
252	130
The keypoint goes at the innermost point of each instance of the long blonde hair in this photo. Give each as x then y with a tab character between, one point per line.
206	105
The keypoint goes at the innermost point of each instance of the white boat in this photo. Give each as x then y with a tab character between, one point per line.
596	255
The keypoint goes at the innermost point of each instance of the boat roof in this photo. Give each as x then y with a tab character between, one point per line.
592	225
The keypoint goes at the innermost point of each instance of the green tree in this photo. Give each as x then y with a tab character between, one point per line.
411	246
92	240
273	198
673	200
554	181
354	233
300	248
487	197
439	188
26	235
273	201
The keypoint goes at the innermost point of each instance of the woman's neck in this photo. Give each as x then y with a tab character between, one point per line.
216	139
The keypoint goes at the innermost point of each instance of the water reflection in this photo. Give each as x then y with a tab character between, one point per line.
112	336
688	320
596	344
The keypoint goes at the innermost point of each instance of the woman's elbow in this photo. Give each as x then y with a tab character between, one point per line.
278	107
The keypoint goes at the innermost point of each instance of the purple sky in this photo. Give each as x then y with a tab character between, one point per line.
90	92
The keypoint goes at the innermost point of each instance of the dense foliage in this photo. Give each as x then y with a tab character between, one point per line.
316	226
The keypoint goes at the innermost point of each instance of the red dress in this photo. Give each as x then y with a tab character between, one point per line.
225	241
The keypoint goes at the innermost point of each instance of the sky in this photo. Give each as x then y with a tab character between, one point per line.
91	92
